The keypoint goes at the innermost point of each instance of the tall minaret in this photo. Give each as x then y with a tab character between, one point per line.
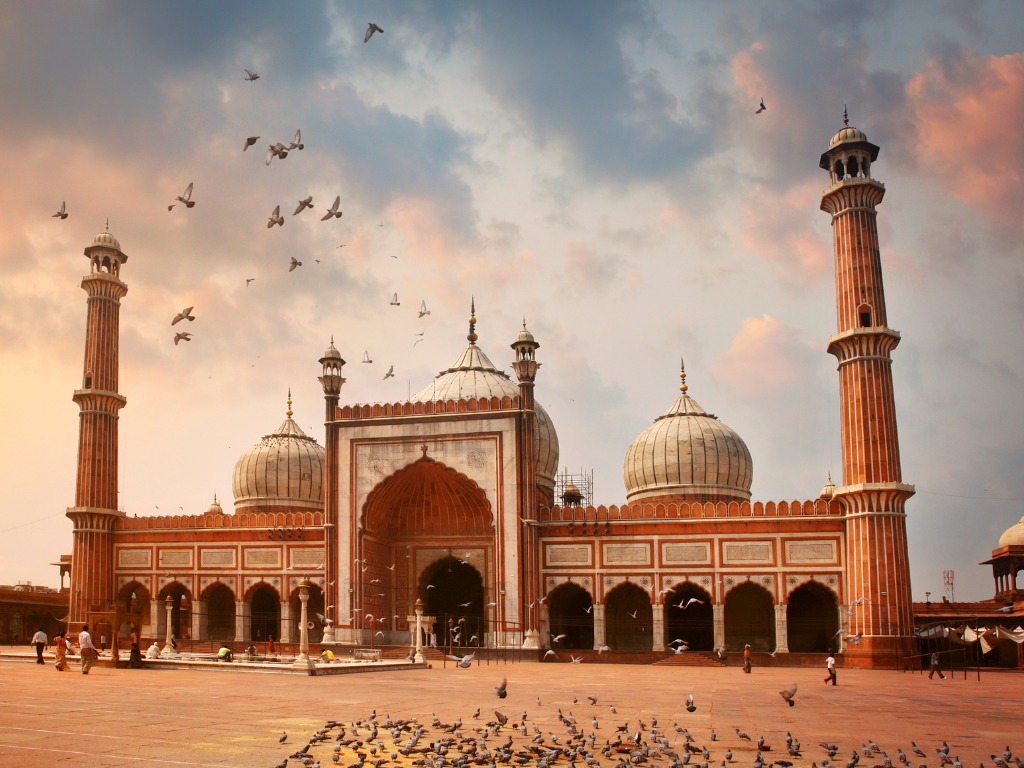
872	491
95	510
332	381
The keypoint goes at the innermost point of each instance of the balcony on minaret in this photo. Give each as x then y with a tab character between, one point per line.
525	364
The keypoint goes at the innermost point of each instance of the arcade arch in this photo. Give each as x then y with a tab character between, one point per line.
629	618
750	617
219	601
687	620
812	619
571	613
264	613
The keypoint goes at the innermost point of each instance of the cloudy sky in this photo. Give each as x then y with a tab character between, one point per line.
595	167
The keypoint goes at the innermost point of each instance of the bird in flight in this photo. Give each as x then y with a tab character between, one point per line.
634	613
423	308
275	218
370	30
185	198
343	245
687	603
249	141
305	203
250	75
333	211
294	263
761	108
366	357
394	301
183	336
62	213
297	141
557	638
690	706
501	689
185	314
463	661
248	280
788	695
390	374
277	150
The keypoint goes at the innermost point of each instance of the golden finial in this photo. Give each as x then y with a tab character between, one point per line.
846	116
289	411
108	224
472	321
682	377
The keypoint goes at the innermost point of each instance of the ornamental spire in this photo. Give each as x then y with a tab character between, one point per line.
288	413
472	321
682	377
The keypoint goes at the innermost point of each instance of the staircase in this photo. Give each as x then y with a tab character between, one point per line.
690	659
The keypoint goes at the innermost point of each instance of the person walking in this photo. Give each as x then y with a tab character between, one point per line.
40	640
135	652
746	659
86	650
60	651
934	666
830	665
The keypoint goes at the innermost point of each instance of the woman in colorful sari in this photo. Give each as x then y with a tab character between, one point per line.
60	651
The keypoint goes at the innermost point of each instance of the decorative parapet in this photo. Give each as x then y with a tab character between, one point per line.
238	520
692	511
390	410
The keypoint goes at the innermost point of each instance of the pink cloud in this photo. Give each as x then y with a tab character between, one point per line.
969	110
765	357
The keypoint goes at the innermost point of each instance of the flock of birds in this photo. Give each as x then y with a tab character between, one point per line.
517	739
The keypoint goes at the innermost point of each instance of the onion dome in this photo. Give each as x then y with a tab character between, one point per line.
473	375
1013	536
689	455
215	507
282	471
332	352
829	490
571	496
108	240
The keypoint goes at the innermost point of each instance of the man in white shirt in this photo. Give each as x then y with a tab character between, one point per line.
830	665
40	641
86	649
153	652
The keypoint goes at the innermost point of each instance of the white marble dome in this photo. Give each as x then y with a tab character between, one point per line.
283	471
689	455
473	375
1013	536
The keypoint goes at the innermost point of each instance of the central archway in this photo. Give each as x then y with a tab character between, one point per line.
750	618
629	618
220	612
689	617
812	619
571	613
452	589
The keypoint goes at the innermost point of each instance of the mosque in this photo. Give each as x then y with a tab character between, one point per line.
451	498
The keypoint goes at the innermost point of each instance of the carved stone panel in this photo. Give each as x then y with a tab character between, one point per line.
217	558
134	558
311	558
686	554
262	558
568	554
627	554
736	552
810	551
175	558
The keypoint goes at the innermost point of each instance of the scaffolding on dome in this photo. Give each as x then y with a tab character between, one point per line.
583	482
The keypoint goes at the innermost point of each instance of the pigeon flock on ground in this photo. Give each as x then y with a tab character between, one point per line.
518	739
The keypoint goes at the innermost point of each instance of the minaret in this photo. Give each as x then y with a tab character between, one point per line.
525	366
872	492
332	382
95	510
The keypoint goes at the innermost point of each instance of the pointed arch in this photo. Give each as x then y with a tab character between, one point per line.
453	590
629	618
219	601
688	620
571	613
812	618
264	612
750	617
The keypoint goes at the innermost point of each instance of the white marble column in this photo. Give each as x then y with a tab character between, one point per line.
718	615
302	660
156	612
781	629
599	633
168	607
658	615
241	621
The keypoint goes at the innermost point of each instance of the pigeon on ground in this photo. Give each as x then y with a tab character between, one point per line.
62	213
282	738
185	314
370	30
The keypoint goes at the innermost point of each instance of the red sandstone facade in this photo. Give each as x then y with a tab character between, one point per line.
450	498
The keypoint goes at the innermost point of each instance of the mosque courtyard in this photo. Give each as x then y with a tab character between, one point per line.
181	717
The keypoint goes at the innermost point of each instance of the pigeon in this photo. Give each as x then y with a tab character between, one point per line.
248	280
501	692
183	336
282	738
690	707
370	30
185	198
185	314
333	212
275	218
395	302
557	638
390	374
788	695
548	652
761	108
250	75
714	735
295	263
305	203
423	308
576	659
917	750
249	141
297	141
742	735
463	661
62	213
278	150
366	357
688	603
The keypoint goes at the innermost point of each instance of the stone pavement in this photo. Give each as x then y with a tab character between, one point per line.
229	718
